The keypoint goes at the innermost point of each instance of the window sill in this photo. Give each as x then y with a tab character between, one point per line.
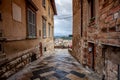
31	37
44	37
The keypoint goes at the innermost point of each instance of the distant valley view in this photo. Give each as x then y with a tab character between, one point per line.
62	41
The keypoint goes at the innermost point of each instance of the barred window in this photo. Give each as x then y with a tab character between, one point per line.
31	24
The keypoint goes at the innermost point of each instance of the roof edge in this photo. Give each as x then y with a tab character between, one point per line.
54	6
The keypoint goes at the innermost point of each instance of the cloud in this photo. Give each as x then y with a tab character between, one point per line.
63	21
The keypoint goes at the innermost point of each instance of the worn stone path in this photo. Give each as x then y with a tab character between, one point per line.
58	66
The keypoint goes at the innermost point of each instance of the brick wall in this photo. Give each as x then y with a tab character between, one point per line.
102	31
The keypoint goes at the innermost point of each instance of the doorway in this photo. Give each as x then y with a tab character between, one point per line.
91	56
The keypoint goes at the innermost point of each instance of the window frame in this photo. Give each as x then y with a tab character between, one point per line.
49	30
44	3
44	28
92	9
49	13
52	32
33	23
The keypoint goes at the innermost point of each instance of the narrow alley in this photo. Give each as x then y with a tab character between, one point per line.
59	39
59	65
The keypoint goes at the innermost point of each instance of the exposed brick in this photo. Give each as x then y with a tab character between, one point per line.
112	23
104	36
103	16
113	10
109	18
106	9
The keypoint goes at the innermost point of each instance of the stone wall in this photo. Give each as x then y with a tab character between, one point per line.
13	65
102	31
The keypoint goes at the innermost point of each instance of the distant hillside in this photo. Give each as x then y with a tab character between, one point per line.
63	37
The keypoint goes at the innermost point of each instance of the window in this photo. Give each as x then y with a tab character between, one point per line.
49	30
31	24
52	32
44	27
49	11
43	3
39	32
92	8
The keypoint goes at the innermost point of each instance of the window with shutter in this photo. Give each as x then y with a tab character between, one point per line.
31	24
44	27
52	32
49	30
43	3
49	11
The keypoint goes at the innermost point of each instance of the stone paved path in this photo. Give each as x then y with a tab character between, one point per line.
58	66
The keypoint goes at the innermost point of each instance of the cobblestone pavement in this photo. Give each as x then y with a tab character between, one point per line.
58	66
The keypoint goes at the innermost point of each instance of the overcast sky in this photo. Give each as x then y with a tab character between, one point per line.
63	19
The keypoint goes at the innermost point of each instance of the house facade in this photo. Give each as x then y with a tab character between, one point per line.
26	29
96	36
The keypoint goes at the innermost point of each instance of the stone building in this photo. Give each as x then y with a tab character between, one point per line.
26	32
96	36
